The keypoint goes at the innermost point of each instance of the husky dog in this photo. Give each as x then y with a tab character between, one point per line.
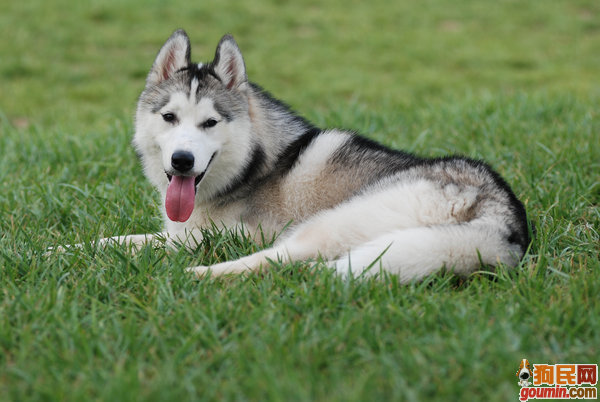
221	150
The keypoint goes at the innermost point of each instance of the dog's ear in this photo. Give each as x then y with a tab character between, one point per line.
173	56
229	64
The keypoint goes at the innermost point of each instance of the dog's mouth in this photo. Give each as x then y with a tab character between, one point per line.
181	195
197	180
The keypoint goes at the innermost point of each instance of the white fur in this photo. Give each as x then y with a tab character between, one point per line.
186	135
228	141
193	90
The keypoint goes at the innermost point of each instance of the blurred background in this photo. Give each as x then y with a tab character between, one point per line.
81	65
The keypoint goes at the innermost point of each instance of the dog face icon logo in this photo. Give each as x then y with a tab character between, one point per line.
524	373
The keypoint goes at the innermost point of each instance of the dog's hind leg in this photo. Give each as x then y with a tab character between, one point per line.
417	252
319	236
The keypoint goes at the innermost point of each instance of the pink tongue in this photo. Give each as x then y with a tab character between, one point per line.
180	198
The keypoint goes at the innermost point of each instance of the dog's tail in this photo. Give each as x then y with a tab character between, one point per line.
417	252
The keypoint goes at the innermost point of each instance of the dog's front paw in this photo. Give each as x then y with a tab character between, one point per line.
61	249
228	267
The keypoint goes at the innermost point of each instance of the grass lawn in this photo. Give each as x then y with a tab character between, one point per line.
515	83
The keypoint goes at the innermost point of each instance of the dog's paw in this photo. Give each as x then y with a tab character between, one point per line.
61	249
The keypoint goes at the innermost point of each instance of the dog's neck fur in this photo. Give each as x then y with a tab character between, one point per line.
273	120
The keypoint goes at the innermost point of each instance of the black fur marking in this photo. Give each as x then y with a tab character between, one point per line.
250	173
358	151
254	166
520	231
254	175
290	155
201	73
513	238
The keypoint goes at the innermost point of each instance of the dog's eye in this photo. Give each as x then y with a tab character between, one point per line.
209	123
169	117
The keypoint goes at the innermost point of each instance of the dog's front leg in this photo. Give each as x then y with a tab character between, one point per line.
189	239
299	246
253	262
135	242
309	240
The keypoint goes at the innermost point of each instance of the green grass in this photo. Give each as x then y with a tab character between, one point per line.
515	83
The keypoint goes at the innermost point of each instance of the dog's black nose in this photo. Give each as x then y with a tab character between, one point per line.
182	161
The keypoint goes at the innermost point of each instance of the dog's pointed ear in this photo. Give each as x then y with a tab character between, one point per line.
229	64
174	55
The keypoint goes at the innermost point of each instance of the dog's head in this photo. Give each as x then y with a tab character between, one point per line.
524	373
192	123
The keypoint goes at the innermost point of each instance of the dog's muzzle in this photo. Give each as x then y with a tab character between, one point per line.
183	186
